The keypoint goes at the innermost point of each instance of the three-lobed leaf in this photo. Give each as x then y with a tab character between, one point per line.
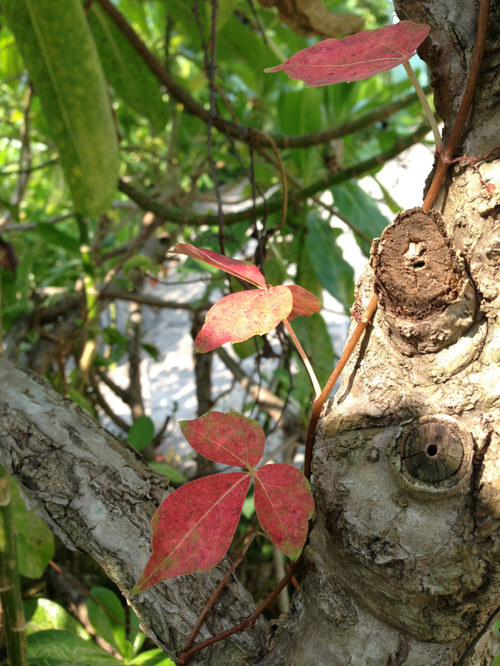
193	527
355	57
229	439
239	316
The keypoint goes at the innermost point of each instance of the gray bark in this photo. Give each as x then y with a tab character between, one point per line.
403	560
99	496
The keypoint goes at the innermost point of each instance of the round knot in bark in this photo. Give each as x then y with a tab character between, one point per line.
424	294
433	452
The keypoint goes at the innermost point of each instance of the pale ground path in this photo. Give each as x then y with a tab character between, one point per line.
168	384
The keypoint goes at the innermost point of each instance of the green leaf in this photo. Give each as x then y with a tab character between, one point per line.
174	476
151	350
153	657
43	614
388	198
58	50
56	648
300	113
34	540
55	237
140	261
141	433
126	70
136	636
108	619
361	210
332	270
224	12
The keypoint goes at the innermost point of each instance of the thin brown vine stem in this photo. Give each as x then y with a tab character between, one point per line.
446	155
207	607
320	401
444	159
250	620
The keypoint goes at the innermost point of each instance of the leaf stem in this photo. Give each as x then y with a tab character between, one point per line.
251	619
425	104
305	360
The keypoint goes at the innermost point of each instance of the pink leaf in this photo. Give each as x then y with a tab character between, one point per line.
239	316
284	504
355	57
230	439
304	303
193	527
241	269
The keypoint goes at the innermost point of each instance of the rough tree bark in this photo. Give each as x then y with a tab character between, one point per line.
403	561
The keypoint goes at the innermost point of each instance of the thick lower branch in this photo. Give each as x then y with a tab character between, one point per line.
98	496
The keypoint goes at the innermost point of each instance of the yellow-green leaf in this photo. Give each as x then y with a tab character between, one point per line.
56	44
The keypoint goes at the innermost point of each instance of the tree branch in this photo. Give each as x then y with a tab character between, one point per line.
238	131
98	496
176	215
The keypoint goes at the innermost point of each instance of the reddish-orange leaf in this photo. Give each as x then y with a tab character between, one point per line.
284	504
355	57
193	527
241	269
239	316
304	303
230	439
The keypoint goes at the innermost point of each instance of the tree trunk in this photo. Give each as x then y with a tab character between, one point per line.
403	561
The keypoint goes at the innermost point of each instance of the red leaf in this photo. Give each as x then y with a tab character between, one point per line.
239	316
357	56
230	439
193	527
284	504
241	269
304	303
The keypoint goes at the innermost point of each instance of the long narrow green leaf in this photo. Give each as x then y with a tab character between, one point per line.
60	55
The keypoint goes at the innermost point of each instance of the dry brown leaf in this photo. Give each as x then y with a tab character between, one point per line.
311	17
